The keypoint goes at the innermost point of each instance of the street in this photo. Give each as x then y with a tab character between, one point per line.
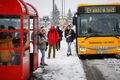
104	69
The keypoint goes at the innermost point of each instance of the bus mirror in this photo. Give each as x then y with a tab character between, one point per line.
74	20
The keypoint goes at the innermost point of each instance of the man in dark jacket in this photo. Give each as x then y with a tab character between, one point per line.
60	34
70	36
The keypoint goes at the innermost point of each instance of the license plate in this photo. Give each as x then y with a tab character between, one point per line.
100	52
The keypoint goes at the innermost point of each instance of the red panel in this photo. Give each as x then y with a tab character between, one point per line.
10	73
26	71
33	61
10	7
33	9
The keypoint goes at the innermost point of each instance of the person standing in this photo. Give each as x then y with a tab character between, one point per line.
42	45
60	32
53	37
70	36
6	56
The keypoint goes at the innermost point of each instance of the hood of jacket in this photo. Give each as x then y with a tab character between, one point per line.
52	28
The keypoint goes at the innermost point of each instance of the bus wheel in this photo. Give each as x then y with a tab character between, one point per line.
82	57
117	56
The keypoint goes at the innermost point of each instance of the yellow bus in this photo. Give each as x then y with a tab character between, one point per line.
97	30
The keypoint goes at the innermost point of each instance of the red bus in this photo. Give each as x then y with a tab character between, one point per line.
17	58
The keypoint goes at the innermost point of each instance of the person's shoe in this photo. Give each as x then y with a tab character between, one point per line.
48	57
41	64
45	64
68	54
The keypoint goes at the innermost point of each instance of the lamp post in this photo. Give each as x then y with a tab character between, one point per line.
62	9
53	12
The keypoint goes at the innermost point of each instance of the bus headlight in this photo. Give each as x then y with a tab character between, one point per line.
118	48
82	48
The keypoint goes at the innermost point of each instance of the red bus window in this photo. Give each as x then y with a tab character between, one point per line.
26	41
26	23
8	54
35	43
9	40
31	24
35	36
9	57
14	37
10	22
31	35
26	47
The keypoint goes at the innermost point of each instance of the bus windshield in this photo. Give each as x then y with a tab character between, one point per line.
99	25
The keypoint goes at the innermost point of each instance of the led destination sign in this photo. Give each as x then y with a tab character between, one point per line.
100	9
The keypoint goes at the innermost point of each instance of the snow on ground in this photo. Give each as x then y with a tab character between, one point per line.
63	67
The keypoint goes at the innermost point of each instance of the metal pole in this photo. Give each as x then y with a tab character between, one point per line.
62	8
53	12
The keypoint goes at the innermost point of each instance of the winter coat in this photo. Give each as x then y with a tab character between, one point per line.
60	33
6	55
52	36
69	35
42	42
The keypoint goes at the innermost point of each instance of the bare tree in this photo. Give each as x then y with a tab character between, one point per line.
69	15
56	15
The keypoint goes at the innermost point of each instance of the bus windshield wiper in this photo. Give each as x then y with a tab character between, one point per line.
92	34
116	37
116	33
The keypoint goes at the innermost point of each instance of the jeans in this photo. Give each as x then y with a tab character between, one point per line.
69	48
43	55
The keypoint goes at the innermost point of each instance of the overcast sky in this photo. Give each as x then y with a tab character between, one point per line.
44	7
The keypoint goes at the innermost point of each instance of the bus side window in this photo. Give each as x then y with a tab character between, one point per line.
118	25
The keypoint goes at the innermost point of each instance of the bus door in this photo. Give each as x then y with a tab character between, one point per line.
26	45
33	44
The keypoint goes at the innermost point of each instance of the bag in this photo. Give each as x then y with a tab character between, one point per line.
46	43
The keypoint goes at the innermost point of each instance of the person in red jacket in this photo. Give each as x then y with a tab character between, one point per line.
53	37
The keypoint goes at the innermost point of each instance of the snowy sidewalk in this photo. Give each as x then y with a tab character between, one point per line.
63	67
